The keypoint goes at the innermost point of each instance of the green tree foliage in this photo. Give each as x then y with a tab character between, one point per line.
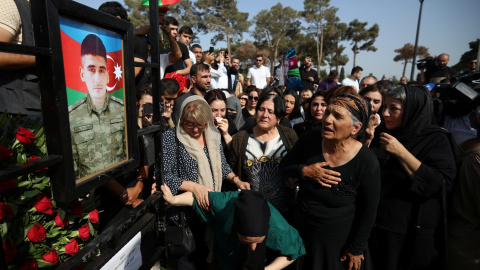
405	54
335	32
223	18
304	45
323	74
271	26
467	56
357	33
187	14
137	13
317	13
342	74
246	52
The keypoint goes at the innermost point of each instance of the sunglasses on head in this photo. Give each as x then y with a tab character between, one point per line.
252	98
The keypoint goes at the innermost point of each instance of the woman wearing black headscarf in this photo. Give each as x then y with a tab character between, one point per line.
245	228
339	187
417	167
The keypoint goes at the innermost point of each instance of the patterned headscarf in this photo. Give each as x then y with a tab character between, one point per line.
357	106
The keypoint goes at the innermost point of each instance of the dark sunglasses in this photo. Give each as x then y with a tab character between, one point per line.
258	60
243	98
252	98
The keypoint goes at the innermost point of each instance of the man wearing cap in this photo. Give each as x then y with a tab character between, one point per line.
97	122
245	225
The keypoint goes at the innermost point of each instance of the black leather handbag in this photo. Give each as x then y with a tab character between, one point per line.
178	237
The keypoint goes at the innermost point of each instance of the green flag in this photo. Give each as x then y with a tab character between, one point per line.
161	2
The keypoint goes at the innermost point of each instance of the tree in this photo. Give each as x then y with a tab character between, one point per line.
245	52
304	45
223	18
271	26
342	74
358	33
317	13
405	54
335	32
467	56
187	14
137	13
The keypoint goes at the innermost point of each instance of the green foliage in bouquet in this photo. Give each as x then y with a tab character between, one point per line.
35	231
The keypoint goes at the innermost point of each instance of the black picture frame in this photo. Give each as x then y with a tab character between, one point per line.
52	84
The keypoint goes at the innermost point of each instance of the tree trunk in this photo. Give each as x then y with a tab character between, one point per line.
404	68
336	55
355	55
228	42
227	32
319	56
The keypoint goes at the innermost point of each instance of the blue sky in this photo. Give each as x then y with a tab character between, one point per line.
447	26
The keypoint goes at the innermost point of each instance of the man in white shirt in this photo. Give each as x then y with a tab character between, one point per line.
352	80
258	75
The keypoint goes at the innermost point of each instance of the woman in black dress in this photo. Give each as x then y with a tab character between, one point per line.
339	187
314	114
417	166
253	96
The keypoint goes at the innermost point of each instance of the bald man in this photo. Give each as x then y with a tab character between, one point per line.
441	71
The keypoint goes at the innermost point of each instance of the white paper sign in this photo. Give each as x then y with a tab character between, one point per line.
128	258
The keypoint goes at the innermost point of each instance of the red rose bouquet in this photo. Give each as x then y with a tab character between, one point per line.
35	231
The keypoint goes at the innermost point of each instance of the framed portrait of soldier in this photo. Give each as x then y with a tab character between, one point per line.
89	116
93	64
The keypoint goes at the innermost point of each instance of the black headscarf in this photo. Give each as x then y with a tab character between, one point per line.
357	106
252	214
416	116
251	218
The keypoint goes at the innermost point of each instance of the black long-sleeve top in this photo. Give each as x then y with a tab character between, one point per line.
348	208
405	202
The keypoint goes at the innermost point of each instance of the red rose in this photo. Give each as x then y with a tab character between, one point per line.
51	257
5	211
43	205
29	265
10	250
93	216
72	247
76	209
84	232
33	158
36	233
59	222
7	185
5	153
25	136
183	81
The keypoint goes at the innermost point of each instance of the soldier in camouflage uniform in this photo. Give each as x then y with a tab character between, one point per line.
97	121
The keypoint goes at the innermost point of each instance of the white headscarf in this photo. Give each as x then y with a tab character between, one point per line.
212	138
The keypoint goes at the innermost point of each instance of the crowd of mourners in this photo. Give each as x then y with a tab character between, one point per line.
272	172
355	174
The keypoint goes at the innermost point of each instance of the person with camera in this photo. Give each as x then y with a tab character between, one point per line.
439	71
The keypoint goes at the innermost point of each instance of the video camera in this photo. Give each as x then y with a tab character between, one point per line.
459	97
427	63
